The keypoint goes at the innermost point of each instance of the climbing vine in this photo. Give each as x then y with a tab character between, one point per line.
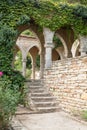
49	14
45	13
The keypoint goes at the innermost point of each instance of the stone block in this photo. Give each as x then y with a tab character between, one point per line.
84	96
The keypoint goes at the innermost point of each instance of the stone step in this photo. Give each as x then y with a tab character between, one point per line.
46	104
34	84
48	109
41	94
43	100
34	87
36	90
38	99
33	81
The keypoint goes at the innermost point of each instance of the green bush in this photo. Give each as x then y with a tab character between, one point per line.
15	81
28	73
9	100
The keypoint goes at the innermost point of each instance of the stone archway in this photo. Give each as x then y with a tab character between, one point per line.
55	55
66	35
75	48
61	53
25	44
65	51
39	34
33	53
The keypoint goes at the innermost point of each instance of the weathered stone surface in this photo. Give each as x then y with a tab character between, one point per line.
67	79
84	96
51	121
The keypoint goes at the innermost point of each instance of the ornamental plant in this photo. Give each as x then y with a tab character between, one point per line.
1	73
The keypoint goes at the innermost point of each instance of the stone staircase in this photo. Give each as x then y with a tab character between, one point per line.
43	101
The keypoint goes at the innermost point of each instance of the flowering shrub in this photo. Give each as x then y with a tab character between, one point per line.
1	73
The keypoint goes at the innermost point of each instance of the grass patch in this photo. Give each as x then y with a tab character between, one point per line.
84	115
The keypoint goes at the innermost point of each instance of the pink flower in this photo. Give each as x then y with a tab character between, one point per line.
1	73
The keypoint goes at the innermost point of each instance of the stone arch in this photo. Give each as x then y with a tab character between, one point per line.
60	51
66	35
64	45
55	55
39	34
75	48
33	53
26	43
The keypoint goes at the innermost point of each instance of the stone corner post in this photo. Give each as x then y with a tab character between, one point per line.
83	45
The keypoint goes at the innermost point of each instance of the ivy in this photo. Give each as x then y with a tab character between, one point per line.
45	13
49	14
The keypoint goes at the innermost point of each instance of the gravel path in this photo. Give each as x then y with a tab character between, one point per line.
50	121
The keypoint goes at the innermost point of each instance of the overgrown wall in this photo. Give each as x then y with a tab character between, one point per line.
67	79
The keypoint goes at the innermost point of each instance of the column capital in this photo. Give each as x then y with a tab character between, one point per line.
49	45
48	35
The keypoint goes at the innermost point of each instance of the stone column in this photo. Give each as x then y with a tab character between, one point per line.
41	64
83	45
48	36
24	67
48	55
33	67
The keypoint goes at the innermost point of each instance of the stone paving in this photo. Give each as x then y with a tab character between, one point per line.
50	121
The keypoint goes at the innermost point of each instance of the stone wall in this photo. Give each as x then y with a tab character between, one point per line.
67	80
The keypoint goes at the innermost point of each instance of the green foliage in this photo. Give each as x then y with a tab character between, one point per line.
7	42
57	42
24	19
84	2
28	64
12	82
38	61
18	62
44	13
84	115
28	33
8	101
28	73
81	11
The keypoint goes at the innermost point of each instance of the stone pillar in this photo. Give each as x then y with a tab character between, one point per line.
48	36
24	67
48	55
83	45
33	67
41	64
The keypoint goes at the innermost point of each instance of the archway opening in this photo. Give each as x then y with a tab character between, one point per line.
58	51
28	45
35	62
